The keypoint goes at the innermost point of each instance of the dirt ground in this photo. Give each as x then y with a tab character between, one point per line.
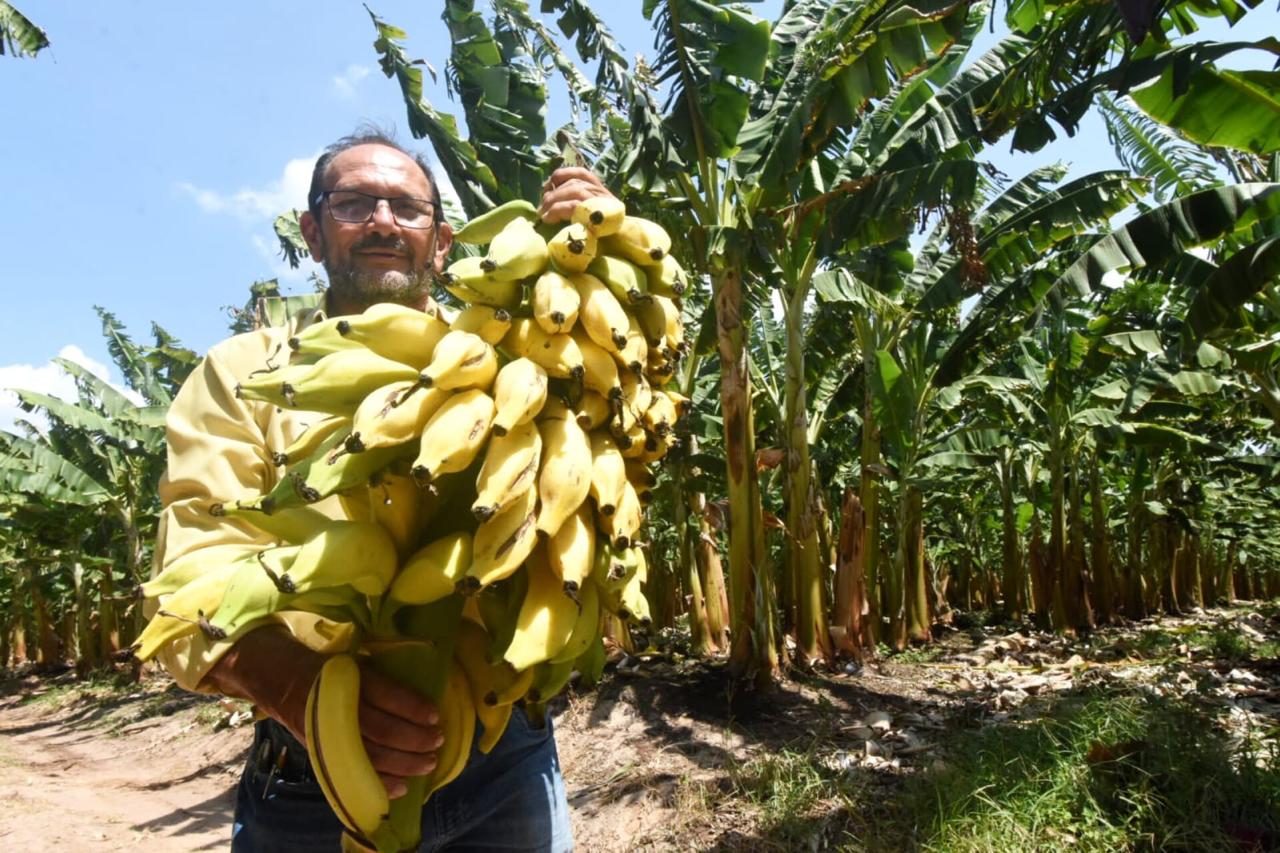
654	758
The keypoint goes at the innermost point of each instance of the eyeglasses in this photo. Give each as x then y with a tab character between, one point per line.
357	207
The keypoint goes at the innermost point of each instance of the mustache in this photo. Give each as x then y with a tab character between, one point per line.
377	241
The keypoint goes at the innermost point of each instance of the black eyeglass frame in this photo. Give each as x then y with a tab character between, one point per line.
435	210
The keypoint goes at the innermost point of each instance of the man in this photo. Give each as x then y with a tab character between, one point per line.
374	221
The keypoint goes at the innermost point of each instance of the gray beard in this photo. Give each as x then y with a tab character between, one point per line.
351	287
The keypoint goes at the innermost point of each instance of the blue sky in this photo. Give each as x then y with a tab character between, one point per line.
147	151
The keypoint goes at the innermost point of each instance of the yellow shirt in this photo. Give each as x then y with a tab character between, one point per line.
219	450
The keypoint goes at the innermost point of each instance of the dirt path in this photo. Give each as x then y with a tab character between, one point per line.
666	754
91	776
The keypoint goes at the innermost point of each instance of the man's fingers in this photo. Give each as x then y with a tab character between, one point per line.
395	732
572	173
394	762
396	787
394	698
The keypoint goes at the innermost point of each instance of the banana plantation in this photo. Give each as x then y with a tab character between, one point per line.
920	386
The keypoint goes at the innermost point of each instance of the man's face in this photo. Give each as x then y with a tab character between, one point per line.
378	260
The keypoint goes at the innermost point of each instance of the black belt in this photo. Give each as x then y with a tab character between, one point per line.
277	754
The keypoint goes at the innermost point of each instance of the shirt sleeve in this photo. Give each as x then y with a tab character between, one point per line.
217	451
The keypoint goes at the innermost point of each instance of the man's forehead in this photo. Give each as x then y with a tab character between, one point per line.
376	162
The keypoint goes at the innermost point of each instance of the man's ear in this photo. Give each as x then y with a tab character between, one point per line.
444	242
312	234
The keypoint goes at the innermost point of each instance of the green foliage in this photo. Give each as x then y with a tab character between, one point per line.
1110	771
18	35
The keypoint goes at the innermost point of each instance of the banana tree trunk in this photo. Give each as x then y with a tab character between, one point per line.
1077	568
699	630
813	639
1056	556
912	608
869	497
48	651
18	616
751	621
88	656
850	629
1014	583
1100	547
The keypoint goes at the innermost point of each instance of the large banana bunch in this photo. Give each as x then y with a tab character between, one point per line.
494	467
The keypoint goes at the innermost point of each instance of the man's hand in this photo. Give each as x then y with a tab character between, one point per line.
565	189
275	672
399	728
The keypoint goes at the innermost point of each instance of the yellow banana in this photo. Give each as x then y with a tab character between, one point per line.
395	505
642	479
457	726
484	320
466	279
546	620
633	606
311	439
661	415
637	395
608	472
433	571
639	240
599	370
519	390
517	251
660	368
632	442
393	415
682	403
593	410
558	355
493	719
486	226
628	282
565	478
493	682
555	303
573	248
601	314
624	522
668	278
602	214
585	630
571	552
392	331
334	743
454	435
335	385
510	469
461	360
634	354
502	543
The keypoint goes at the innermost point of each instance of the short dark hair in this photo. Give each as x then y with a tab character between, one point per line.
367	135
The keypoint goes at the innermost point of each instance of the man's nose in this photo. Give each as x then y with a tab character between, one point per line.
383	220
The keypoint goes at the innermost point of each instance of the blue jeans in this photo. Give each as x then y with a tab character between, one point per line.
511	799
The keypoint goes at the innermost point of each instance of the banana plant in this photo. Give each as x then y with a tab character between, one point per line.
91	473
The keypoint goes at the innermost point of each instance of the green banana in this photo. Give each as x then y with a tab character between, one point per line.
486	226
628	282
335	385
311	439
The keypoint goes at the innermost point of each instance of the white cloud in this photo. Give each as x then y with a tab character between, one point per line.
344	84
48	379
253	204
